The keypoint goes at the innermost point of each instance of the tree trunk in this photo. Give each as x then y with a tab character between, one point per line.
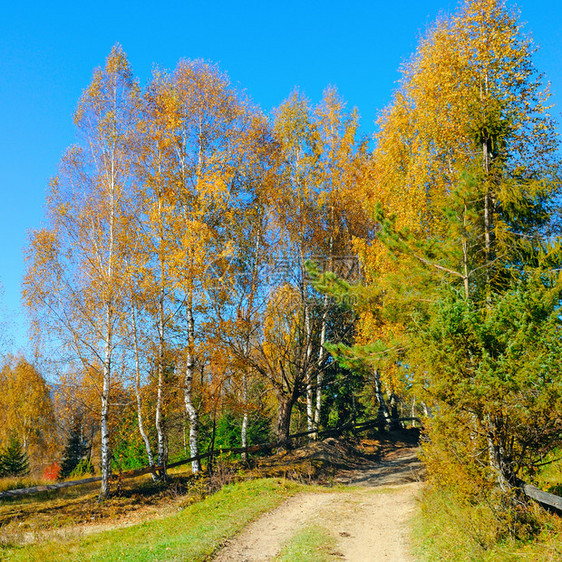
394	414
465	257
498	459
284	418
383	416
244	429
193	421
309	403
188	392
106	385
320	367
142	432
162	449
247	316
307	355
322	351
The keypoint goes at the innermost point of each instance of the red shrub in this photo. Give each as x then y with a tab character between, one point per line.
51	473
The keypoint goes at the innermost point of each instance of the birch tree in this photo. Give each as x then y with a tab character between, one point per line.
317	220
74	283
209	139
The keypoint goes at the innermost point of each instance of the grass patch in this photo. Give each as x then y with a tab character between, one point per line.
311	544
17	482
549	477
193	533
450	529
31	518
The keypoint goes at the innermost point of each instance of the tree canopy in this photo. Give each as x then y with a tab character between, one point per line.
204	264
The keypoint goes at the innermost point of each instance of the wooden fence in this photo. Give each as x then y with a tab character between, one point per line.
544	498
211	453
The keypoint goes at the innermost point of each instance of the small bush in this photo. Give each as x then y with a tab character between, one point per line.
84	468
455	528
51	472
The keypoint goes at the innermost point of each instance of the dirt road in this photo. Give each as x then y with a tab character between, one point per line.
369	523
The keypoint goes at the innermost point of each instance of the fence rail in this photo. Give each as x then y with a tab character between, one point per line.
213	452
534	493
544	498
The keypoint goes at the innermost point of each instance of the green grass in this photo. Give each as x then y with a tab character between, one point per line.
193	533
449	529
311	544
550	475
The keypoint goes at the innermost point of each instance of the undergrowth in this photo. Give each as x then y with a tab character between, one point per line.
549	477
456	528
15	482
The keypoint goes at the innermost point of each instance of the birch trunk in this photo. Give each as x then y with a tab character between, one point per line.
308	374
106	384
188	391
320	368
322	351
249	312
244	429
105	452
142	432
465	257
162	456
383	415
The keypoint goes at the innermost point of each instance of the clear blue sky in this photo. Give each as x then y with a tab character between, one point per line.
48	51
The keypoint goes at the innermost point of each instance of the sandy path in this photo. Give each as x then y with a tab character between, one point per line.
369	524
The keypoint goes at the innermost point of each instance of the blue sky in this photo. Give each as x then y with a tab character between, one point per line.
48	51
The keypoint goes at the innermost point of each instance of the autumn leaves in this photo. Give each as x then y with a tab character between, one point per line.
163	223
156	270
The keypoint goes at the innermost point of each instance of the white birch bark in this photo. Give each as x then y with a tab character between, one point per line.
249	312
188	391
244	428
109	304
142	431
384	414
104	418
320	367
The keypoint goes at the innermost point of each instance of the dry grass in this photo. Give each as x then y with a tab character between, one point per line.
453	528
75	511
549	478
318	462
14	483
185	531
72	513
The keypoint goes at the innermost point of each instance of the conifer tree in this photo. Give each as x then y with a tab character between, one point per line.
13	459
470	143
74	451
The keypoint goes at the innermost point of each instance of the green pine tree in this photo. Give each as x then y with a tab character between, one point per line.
476	281
13	459
74	451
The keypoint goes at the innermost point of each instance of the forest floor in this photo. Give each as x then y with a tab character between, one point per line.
367	521
359	512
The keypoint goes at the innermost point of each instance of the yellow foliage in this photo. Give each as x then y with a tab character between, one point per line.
26	409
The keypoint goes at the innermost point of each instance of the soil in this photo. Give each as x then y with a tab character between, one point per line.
368	520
